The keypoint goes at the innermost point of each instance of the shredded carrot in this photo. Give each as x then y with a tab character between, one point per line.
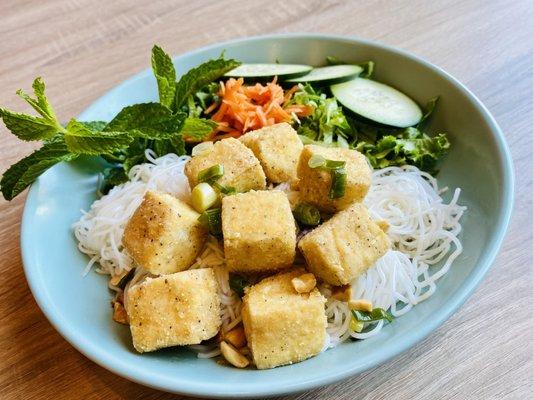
248	107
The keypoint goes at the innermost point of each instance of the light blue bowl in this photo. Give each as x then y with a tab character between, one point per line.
79	307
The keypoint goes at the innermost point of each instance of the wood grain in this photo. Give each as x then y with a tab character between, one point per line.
83	48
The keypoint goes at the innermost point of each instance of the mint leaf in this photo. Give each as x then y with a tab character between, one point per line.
94	125
147	120
29	127
198	128
81	140
175	145
165	75
40	103
112	177
198	77
23	173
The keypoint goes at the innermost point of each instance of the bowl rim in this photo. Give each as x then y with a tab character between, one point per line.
186	387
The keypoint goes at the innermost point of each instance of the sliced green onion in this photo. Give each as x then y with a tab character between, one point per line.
203	196
201	148
227	190
306	214
212	220
237	283
375	315
316	161
211	174
331	164
338	183
337	171
356	326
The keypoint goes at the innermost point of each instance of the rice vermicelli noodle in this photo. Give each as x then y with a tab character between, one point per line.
423	228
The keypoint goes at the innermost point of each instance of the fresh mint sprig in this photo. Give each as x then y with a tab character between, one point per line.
163	127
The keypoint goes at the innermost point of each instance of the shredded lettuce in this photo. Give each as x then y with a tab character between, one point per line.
327	123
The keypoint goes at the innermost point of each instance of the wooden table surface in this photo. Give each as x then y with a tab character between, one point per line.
83	48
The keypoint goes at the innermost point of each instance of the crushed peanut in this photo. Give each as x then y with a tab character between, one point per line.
342	293
236	337
119	313
304	283
384	225
232	355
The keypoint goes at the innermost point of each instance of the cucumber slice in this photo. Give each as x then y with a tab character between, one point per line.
377	102
283	71
329	75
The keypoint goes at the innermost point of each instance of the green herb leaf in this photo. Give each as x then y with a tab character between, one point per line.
237	283
165	75
327	124
375	315
175	145
40	103
81	140
198	77
94	125
430	108
23	173
112	177
198	128
368	69
207	95
28	127
410	146
147	120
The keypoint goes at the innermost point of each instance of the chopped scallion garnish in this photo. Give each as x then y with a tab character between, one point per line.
203	196
227	190
338	183
337	171
237	283
375	315
212	220
306	214
211	174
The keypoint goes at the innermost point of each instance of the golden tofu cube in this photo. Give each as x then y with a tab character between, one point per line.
283	326
174	310
164	235
345	246
242	169
259	231
278	149
315	183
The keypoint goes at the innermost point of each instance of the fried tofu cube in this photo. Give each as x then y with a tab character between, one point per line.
278	149
283	326
164	235
259	231
242	169
315	183
174	310
345	246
